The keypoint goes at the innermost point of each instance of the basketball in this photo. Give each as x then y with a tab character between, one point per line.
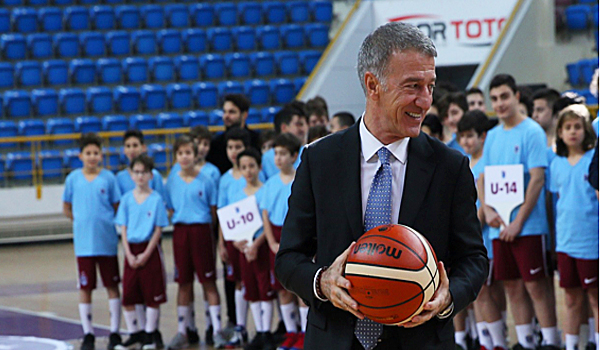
393	271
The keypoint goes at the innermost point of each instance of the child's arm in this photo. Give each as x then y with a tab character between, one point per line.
274	246
68	210
252	250
142	259
489	214
131	259
213	214
222	249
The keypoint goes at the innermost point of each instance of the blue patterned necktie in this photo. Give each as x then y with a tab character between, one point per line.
378	212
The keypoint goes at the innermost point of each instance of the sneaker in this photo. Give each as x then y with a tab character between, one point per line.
136	339
220	340
153	341
299	344
590	346
88	342
549	347
179	341
208	336
518	346
238	338
499	348
148	343
280	332
158	339
288	341
192	335
257	343
114	339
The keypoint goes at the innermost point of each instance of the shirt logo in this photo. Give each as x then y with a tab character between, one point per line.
237	210
516	148
586	177
83	279
149	214
200	193
102	191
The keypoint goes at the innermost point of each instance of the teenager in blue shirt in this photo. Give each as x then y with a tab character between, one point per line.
90	199
452	107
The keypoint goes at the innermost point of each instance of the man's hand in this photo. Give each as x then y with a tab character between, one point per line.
334	286
439	302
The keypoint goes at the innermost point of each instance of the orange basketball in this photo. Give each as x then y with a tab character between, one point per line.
393	271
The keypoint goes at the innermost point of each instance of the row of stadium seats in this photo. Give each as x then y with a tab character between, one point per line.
150	97
582	16
77	18
581	72
164	41
33	3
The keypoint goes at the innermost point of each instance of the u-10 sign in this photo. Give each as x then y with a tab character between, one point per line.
240	220
504	188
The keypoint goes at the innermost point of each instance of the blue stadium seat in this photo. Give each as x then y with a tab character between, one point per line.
103	17
263	63
20	165
574	74
238	65
292	35
206	95
213	66
269	37
195	118
317	34
153	16
60	126
309	59
268	114
230	87
187	67
25	20
177	15
298	11
220	39
577	17
17	104
87	124
282	91
56	72
72	101
13	46
288	62
112	158
29	73
113	1
66	45
71	159
38	2
299	83
115	123
50	163
128	17
4	21
258	91
169	41
7	75
154	97
63	2
135	69
77	18
194	40
274	12
595	19
127	99
170	120
13	2
143	122
226	13
92	44
82	71
254	116
118	43
99	99
203	15
161	68
322	10
160	152
244	38
39	45
250	13
109	71
587	68
179	96
31	127
144	42
50	19
45	102
8	128
215	117
2	168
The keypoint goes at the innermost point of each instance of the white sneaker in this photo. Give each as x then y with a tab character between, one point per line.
178	342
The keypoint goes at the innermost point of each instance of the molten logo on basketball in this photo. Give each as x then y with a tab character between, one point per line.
374	248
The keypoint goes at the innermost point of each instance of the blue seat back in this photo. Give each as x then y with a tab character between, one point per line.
153	16
203	15
77	18
282	91
110	71
93	44
99	99
127	99
29	73
56	72
194	40
66	45
169	41
17	103
118	43
45	102
25	20
128	17
39	45
250	13
72	101
179	95
206	95
161	68
50	19
13	46
7	75
177	16
188	68
103	17
154	97
226	13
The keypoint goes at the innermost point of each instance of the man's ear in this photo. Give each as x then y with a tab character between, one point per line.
372	86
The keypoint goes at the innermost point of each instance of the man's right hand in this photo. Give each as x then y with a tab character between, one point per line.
334	286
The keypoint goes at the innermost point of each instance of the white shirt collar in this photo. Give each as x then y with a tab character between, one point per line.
370	144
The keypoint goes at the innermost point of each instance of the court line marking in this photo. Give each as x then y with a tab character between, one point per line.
53	317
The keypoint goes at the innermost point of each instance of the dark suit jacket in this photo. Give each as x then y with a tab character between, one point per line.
218	149
325	217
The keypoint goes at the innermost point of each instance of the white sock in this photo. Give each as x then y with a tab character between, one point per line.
287	314
85	314
140	310
484	336
255	308
596	340
550	336
460	338
114	306
592	326
471	324
152	315
191	317
571	341
503	313
215	317
266	315
207	320
497	333
241	308
525	335
303	318
182	318
131	321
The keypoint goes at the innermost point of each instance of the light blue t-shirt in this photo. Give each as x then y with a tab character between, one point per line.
140	219
192	201
225	182
275	199
524	144
268	163
577	208
92	203
485	229
127	184
595	124
454	144
209	169
236	195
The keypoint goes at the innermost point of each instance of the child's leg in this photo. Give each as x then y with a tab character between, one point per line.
241	305
140	311
85	310
485	309
131	320
183	303
460	329
573	306
214	304
152	317
303	315
114	307
593	298
288	309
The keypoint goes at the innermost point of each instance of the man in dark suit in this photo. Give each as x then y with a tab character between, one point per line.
432	191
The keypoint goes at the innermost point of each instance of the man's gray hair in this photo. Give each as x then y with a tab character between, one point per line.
390	38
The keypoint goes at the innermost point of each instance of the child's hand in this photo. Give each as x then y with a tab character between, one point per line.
142	259
240	245
251	252
274	247
132	261
492	218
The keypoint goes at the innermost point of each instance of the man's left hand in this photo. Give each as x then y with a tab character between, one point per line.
439	302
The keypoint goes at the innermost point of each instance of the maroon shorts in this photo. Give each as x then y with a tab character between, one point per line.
577	273
255	276
523	258
275	285
109	271
147	284
193	250
233	266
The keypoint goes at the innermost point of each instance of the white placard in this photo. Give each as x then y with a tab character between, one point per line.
504	188
240	220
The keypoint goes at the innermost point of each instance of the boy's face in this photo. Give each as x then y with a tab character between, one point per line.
476	101
91	156
266	146
283	158
334	125
470	141
297	127
133	148
542	113
455	113
234	147
203	148
504	102
185	156
315	120
249	168
231	114
141	176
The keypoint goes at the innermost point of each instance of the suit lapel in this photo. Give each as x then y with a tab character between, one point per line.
350	179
